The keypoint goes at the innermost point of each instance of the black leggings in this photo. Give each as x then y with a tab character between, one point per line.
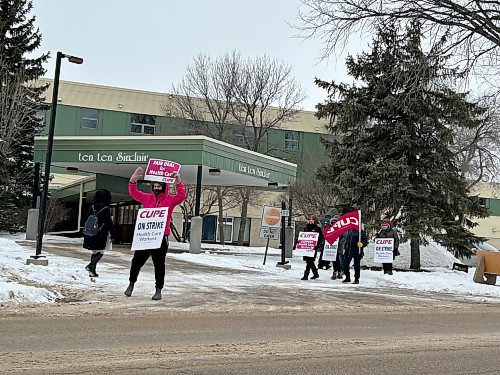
158	256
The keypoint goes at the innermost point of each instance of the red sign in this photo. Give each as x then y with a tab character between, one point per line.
161	170
351	220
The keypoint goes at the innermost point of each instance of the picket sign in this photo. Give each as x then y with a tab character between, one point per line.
306	243
383	250
161	170
149	228
330	251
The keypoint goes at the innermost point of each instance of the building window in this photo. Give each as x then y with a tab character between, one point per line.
291	141
482	202
143	124
243	136
89	118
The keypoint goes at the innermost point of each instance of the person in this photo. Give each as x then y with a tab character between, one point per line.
159	197
339	260
312	226
352	248
98	243
387	231
323	264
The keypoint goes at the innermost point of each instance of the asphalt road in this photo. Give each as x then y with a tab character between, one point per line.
452	341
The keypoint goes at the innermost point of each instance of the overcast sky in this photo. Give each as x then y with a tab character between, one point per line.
146	45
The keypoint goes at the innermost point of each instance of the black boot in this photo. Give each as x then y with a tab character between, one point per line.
157	295
129	290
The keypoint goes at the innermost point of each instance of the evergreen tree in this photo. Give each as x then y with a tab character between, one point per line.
393	130
20	102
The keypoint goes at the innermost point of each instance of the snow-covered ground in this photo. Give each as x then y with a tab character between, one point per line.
65	277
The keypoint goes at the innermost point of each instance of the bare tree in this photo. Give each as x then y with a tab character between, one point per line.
267	97
477	149
204	98
56	212
311	196
236	100
470	27
205	95
212	195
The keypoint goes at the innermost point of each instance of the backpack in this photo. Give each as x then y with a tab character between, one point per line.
91	227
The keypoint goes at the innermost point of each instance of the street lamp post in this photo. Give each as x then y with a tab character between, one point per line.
50	143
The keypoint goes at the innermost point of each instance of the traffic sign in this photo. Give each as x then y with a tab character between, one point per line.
271	233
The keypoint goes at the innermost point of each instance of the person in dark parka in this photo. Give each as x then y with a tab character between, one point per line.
97	243
352	248
313	226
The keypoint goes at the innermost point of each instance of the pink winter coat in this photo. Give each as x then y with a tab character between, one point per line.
149	200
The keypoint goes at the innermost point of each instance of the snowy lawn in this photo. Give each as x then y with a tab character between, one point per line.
21	283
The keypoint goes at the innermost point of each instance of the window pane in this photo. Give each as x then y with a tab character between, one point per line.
136	128
143	119
89	118
149	129
88	123
291	141
291	136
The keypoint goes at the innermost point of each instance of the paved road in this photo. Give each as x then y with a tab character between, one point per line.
454	342
252	329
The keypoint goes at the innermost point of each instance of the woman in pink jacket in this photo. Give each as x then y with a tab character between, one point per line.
159	197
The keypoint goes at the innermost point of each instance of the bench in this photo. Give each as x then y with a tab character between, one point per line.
488	268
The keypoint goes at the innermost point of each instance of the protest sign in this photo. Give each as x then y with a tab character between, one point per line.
330	251
149	228
383	250
306	243
161	170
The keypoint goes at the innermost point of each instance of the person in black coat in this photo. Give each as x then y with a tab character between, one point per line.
352	248
313	226
98	243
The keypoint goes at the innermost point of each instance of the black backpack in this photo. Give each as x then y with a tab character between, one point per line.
91	227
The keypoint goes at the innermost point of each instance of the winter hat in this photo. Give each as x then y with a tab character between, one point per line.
386	222
101	197
334	219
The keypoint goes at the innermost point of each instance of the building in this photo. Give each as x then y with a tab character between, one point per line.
99	112
99	125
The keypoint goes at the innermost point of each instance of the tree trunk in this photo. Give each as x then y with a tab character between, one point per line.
244	212
221	213
415	253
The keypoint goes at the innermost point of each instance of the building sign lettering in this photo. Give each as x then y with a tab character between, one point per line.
120	157
254	171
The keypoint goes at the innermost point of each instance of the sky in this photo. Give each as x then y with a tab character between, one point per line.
147	45
228	272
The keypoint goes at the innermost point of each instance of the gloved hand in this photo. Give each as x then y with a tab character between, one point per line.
177	177
136	175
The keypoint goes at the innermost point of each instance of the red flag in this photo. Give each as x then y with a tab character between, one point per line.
351	220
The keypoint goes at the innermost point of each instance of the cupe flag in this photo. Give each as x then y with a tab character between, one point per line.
351	220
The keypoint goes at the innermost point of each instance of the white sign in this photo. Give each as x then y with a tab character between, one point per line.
161	170
149	228
330	251
271	233
306	243
271	217
285	213
383	250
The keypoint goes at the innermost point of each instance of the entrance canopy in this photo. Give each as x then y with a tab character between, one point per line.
222	164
